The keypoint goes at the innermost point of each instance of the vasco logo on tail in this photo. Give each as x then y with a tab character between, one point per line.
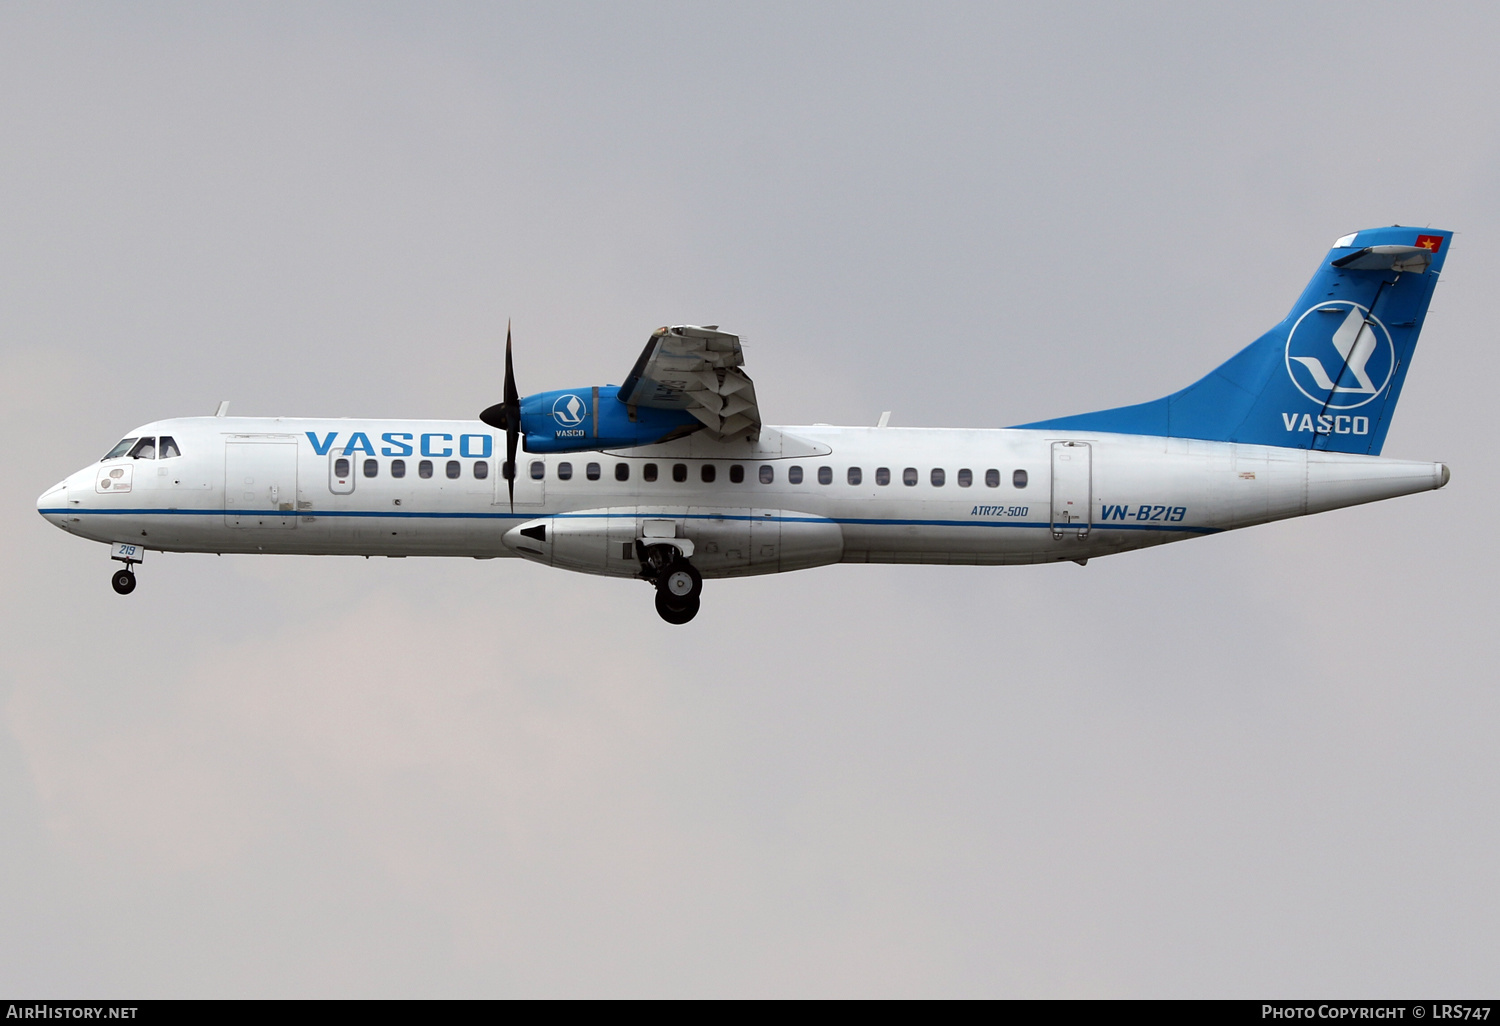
1345	367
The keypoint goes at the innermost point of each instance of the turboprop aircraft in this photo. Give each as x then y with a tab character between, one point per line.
671	477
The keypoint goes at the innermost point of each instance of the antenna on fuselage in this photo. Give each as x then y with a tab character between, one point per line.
223	408
885	419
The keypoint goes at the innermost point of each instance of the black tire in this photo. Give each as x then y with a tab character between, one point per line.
676	612
680	582
123	581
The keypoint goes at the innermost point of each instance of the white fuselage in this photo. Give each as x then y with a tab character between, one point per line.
1002	496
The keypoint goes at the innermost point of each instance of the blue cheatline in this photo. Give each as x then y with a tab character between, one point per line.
1328	376
865	521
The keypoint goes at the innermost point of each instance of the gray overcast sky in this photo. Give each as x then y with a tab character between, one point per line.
1256	764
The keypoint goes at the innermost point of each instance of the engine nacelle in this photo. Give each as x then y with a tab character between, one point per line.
580	419
720	542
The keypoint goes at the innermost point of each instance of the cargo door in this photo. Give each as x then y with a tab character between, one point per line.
260	484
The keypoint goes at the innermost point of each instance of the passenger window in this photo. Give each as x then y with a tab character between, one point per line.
679	472
622	471
398	468
168	448
452	469
538	470
882	476
709	472
145	449
909	477
825	475
736	473
767	473
1018	479
794	475
648	472
121	449
372	467
591	472
965	477
992	479
855	475
481	469
341	467
424	469
565	471
938	477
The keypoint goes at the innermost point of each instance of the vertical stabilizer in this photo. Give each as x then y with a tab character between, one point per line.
1328	376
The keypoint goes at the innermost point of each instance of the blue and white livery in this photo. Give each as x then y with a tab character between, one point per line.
673	478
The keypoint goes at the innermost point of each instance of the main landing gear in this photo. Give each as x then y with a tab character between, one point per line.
678	583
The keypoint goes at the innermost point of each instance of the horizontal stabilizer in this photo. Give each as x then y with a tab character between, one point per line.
1387	258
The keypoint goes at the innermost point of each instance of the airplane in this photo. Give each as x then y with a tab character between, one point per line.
672	478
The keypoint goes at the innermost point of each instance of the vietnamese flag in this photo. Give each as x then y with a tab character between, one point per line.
1431	243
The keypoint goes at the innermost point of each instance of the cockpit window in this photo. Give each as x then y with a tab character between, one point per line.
145	449
168	448
121	449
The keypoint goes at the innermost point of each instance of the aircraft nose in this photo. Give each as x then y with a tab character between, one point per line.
53	501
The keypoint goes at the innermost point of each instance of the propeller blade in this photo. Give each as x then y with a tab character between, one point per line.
512	420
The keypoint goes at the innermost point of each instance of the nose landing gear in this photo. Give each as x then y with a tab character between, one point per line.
678	583
129	553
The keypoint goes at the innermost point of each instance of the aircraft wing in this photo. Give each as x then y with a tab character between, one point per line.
699	370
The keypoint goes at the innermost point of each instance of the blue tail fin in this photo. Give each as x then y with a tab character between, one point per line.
1328	376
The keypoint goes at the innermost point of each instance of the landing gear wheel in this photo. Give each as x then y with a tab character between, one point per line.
123	581
674	610
681	581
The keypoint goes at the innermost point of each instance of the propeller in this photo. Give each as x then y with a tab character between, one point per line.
507	415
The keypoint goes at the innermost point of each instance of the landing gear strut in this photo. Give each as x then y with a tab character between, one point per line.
123	581
678	583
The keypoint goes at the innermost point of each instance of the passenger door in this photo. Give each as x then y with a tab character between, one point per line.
1072	488
260	484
